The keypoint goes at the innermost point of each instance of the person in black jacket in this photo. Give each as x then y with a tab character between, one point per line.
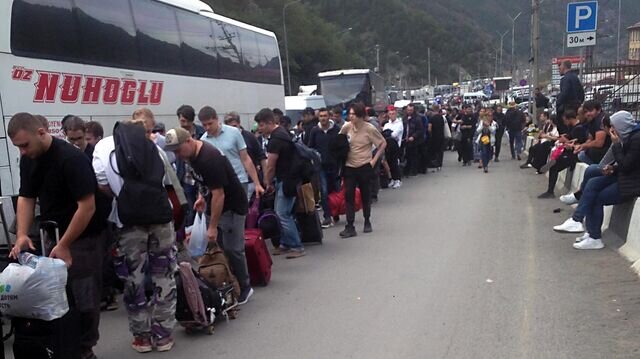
309	122
499	117
413	137
571	93
514	122
321	139
620	182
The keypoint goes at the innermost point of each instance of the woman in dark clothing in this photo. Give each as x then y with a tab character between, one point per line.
620	182
436	138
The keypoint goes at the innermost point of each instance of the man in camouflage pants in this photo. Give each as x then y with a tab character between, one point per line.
145	259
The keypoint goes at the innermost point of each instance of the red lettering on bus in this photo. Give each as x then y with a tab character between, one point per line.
143	97
156	92
92	86
111	88
70	88
128	91
46	87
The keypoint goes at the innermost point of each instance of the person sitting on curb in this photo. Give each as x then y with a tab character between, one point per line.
620	182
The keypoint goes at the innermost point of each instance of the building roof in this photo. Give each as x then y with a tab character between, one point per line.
635	26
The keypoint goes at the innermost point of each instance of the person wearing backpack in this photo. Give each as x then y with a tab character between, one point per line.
281	154
320	139
359	167
218	182
128	166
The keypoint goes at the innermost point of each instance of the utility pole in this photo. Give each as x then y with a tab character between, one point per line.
513	38
536	56
377	58
429	63
618	43
286	45
501	47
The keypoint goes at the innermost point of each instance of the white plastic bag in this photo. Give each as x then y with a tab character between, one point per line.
35	288
198	242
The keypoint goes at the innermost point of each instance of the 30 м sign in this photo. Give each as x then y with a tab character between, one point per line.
582	23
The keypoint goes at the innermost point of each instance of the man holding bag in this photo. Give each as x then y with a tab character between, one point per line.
217	182
60	177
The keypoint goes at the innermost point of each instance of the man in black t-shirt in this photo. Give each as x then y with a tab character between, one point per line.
61	178
280	152
218	182
593	150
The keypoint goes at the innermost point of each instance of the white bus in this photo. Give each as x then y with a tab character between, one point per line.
102	59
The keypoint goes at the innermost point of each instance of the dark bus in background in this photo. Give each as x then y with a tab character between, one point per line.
344	87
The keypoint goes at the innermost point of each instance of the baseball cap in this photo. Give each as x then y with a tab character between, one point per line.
175	137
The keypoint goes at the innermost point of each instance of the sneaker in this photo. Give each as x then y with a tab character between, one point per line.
245	294
392	183
280	250
164	344
486	170
547	195
349	231
142	344
570	226
327	223
525	166
497	160
397	184
569	199
589	243
582	237
110	304
295	253
547	166
367	227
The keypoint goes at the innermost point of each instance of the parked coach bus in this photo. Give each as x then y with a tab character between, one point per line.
102	59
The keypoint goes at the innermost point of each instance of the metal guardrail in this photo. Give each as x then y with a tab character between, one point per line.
616	86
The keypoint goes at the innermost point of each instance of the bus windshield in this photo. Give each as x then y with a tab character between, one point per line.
346	89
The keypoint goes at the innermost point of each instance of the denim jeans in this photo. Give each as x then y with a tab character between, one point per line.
487	154
583	157
324	193
290	237
515	143
598	192
591	172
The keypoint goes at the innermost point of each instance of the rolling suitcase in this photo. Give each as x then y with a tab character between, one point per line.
309	227
258	258
55	339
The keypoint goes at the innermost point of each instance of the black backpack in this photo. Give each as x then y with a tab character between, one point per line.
143	199
306	161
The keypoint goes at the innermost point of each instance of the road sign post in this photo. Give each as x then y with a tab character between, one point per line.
582	23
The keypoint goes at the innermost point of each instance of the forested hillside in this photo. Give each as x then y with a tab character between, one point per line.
462	34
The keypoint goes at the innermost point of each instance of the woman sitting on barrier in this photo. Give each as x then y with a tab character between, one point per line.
620	182
539	152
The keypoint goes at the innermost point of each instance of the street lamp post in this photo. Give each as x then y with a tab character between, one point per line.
513	37
286	45
501	46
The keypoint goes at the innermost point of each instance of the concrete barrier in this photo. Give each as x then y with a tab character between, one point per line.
622	220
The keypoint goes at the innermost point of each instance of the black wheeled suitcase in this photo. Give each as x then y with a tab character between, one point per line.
309	227
55	339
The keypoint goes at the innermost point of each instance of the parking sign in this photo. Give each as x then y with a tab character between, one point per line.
582	16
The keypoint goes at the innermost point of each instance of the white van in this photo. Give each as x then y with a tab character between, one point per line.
295	104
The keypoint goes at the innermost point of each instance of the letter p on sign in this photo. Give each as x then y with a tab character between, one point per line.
582	16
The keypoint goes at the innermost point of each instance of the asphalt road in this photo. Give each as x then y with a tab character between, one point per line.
461	264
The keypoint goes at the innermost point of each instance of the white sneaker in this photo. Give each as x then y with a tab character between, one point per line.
397	185
589	243
392	183
570	226
582	237
569	199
